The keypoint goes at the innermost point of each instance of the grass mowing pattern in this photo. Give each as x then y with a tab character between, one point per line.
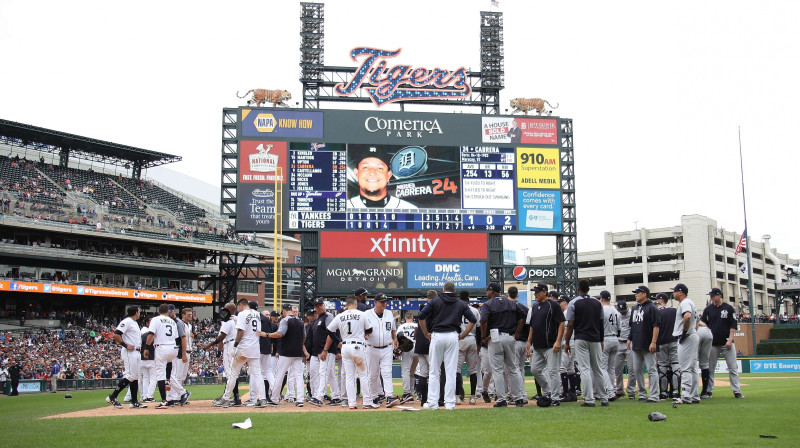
721	421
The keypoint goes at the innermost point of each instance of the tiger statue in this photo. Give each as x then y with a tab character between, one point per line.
526	104
276	97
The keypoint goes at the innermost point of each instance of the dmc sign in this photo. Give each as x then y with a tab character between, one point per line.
383	84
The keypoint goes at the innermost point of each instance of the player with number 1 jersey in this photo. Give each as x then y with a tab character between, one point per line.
350	324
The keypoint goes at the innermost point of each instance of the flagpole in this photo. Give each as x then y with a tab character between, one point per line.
749	259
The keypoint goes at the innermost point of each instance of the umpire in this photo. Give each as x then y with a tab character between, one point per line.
501	324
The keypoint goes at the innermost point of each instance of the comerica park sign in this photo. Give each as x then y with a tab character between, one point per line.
401	82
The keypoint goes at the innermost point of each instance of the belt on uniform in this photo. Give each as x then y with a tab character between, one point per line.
384	346
353	342
229	340
172	345
507	333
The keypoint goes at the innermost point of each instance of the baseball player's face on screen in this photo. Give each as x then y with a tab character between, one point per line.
373	176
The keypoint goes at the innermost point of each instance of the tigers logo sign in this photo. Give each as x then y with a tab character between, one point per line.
401	82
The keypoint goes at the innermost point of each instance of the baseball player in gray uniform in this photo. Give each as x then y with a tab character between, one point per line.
569	380
667	354
704	339
127	335
624	354
521	340
585	317
407	329
501	323
720	317
546	331
684	330
611	333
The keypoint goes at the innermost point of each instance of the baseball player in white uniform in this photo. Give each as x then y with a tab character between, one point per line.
608	358
381	334
164	331
145	365
350	324
225	338
127	335
408	329
246	349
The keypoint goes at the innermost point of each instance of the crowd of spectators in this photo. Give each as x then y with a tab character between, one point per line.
84	349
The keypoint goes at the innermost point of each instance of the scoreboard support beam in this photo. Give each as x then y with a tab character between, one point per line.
309	260
567	243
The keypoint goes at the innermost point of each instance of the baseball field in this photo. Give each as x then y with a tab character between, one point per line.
769	409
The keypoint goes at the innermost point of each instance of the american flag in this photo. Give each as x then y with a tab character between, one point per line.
495	3
742	242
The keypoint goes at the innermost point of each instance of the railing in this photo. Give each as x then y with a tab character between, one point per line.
41	386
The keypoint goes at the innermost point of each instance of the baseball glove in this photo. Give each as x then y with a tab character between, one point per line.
657	417
544	402
405	344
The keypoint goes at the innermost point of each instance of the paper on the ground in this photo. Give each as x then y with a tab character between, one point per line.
407	408
244	425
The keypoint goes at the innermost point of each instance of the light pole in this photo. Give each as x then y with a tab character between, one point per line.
524	260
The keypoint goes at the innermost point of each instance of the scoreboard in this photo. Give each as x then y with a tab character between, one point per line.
404	171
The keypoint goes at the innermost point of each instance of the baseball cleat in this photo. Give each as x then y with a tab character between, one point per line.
406	398
261	403
137	405
113	402
428	407
695	401
705	396
392	401
163	405
334	402
486	398
500	404
148	400
371	406
738	396
222	403
587	405
237	403
642	399
473	400
519	403
555	403
604	404
271	403
459	400
298	404
315	402
352	408
185	397
631	397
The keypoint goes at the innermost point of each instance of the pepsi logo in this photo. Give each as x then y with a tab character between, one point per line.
520	273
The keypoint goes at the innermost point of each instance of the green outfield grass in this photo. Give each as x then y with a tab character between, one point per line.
770	407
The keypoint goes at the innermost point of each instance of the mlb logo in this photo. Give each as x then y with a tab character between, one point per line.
46	288
80	289
14	286
520	273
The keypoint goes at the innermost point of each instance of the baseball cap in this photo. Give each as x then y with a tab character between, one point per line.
622	305
380	297
662	296
253	304
494	286
681	287
540	287
370	151
360	291
171	307
563	298
318	301
605	294
553	294
715	292
286	307
643	289
274	313
310	313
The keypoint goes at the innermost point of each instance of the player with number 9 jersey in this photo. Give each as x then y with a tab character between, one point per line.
250	322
